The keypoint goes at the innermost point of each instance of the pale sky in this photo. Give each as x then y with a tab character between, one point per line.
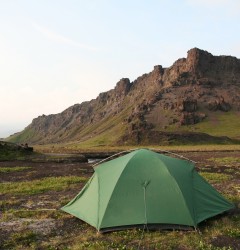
55	53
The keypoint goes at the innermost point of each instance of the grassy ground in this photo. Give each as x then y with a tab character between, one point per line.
14	169
80	148
227	123
39	186
217	124
31	195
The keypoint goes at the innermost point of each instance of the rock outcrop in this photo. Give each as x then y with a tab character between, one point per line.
186	93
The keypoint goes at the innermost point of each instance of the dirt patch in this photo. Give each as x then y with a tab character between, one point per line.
42	226
226	241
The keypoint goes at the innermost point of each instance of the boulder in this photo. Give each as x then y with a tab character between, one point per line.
219	104
187	104
190	118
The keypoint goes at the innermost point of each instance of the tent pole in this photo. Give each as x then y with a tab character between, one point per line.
126	151
169	152
153	149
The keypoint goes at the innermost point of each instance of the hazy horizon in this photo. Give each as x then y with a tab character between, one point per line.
54	54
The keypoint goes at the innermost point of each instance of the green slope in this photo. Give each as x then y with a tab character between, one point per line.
221	124
216	124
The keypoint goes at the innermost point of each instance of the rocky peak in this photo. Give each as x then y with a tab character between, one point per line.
123	86
196	60
158	69
201	67
195	55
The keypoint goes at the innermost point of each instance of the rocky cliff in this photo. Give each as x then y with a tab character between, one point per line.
192	95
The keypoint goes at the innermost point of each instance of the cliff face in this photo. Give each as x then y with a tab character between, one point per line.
201	67
164	100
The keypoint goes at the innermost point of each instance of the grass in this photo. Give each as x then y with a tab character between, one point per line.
12	169
217	124
27	134
233	232
34	214
106	132
225	160
76	147
215	177
137	239
131	239
221	123
22	240
14	155
39	186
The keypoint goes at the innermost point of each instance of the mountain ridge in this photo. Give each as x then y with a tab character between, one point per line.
166	100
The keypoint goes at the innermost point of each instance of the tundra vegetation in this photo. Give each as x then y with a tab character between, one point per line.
32	193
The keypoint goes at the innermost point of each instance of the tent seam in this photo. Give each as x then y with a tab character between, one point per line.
135	152
180	192
193	197
98	202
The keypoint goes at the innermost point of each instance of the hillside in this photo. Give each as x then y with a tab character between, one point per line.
196	96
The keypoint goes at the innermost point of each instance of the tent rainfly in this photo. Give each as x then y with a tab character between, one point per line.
146	189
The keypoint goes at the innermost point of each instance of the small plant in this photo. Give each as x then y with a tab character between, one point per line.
233	232
12	169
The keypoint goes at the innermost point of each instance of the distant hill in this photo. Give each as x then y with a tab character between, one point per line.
196	100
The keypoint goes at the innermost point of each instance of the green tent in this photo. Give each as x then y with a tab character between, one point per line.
144	188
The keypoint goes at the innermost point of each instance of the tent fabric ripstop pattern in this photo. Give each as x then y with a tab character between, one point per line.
146	188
